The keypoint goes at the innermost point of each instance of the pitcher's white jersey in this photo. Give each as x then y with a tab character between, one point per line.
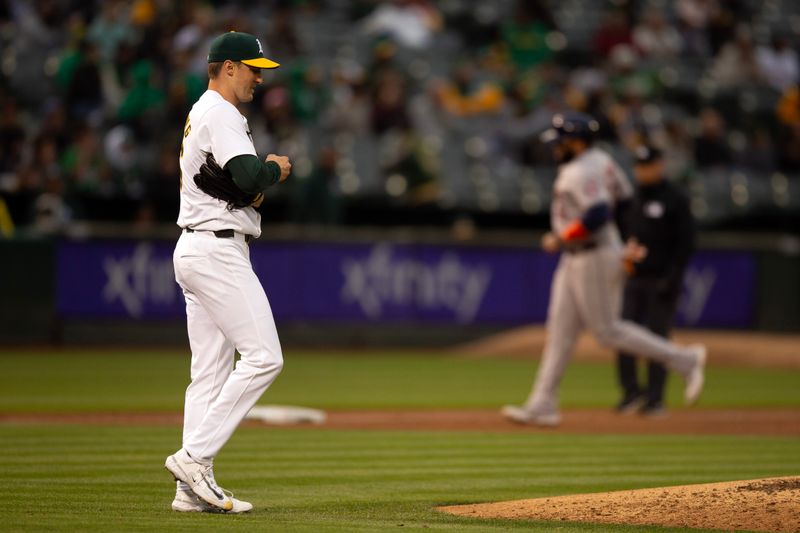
214	125
591	178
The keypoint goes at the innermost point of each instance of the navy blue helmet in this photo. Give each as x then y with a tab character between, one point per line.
571	125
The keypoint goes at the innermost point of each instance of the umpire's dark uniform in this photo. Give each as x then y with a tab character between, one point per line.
660	219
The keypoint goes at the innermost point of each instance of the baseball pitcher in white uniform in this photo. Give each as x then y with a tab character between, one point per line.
586	290
226	307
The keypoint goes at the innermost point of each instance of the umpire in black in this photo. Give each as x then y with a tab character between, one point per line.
660	219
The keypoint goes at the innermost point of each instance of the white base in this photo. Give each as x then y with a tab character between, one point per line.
286	415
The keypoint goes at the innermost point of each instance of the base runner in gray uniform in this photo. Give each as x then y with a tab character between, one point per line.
586	292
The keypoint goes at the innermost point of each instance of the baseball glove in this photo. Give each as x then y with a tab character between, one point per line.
217	182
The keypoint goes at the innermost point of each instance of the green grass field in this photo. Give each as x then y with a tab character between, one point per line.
110	478
155	381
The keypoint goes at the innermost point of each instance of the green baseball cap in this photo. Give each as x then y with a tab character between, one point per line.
239	46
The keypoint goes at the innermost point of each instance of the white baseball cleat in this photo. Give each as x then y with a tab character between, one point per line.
521	415
200	478
695	379
188	502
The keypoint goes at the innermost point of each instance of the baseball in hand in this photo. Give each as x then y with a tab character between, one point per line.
284	164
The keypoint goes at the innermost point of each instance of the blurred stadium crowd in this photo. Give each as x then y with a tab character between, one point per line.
405	111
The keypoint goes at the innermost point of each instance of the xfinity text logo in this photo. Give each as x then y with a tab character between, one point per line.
383	280
138	279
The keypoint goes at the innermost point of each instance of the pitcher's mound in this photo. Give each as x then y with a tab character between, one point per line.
757	505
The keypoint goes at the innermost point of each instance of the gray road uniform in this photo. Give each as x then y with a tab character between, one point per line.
586	291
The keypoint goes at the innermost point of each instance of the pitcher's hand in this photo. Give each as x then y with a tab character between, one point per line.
284	164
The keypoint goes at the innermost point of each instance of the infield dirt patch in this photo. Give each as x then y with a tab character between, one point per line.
731	348
779	422
756	505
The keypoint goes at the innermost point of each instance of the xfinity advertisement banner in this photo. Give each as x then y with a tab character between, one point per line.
424	283
116	279
718	290
376	282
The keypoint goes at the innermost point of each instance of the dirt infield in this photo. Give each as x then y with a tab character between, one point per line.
594	421
756	505
779	422
734	348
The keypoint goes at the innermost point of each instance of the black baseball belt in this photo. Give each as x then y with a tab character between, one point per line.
224	234
580	247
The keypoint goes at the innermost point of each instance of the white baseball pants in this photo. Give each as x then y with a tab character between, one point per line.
226	310
586	292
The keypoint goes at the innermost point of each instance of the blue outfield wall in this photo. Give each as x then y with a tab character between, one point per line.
381	282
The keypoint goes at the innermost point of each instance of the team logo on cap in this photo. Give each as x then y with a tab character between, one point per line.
260	50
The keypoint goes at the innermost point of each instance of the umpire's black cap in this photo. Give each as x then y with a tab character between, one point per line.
645	154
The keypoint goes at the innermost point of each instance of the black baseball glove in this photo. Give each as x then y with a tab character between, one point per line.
217	182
